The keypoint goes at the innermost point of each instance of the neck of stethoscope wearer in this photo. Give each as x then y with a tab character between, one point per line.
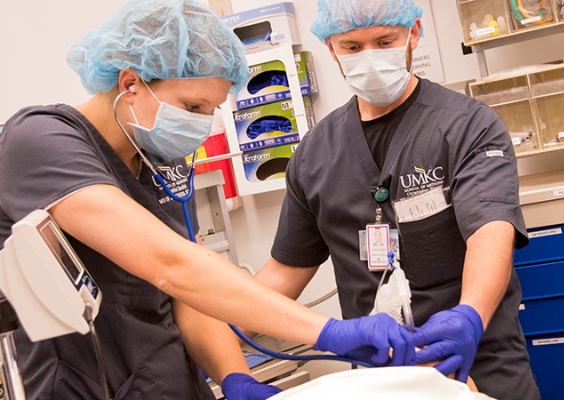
184	200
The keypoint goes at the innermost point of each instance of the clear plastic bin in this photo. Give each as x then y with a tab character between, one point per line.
529	14
509	97
547	89
483	19
559	10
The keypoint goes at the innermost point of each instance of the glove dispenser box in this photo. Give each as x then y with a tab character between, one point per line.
266	27
483	19
509	97
540	268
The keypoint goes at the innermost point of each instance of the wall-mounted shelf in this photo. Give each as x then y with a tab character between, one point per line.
487	24
517	37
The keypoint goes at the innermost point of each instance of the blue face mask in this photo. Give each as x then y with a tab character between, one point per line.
176	132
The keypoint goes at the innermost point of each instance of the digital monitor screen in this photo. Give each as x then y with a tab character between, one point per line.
58	245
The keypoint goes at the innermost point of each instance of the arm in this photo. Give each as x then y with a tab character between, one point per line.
216	350
487	267
287	280
210	342
202	343
290	281
107	220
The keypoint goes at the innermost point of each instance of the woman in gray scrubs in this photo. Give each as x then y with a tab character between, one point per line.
157	69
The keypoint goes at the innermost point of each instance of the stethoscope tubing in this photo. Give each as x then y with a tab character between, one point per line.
182	199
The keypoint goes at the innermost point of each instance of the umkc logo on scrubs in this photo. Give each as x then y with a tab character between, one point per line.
422	180
172	174
177	181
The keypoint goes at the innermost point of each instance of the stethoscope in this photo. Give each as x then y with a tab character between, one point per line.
184	201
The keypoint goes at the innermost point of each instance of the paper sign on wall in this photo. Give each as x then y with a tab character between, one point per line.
426	57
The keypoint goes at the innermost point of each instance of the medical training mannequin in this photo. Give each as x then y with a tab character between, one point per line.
157	69
386	383
401	141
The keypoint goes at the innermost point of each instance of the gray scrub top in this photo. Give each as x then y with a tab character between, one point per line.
445	140
47	153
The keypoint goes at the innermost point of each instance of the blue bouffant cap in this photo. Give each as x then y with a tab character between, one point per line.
339	16
159	39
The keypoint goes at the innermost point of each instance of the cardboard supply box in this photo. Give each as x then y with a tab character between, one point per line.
268	82
265	27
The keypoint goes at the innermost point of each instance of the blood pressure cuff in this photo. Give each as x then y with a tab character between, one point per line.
266	79
269	123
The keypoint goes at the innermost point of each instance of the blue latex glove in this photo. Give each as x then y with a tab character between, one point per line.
238	386
451	337
369	339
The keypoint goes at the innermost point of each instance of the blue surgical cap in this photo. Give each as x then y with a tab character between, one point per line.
159	39
339	16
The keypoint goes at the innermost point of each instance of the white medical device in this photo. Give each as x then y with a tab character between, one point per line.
394	299
45	281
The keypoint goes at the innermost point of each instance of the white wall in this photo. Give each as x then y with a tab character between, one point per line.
36	35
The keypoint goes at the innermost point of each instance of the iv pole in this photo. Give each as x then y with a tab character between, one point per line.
11	376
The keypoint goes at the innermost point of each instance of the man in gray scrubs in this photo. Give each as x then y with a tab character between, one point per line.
434	165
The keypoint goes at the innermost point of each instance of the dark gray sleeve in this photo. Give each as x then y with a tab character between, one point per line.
44	158
298	241
485	183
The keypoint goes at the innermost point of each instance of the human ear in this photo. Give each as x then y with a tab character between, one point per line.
415	34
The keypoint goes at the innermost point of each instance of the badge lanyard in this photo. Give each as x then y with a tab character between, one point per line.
377	235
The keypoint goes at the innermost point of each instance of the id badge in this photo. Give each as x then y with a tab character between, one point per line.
421	206
377	246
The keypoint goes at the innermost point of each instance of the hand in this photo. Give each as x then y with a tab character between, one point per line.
369	339
238	386
451	337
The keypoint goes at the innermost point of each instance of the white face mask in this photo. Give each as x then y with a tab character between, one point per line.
378	76
176	132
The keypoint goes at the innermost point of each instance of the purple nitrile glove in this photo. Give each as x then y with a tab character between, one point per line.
238	386
369	339
450	337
